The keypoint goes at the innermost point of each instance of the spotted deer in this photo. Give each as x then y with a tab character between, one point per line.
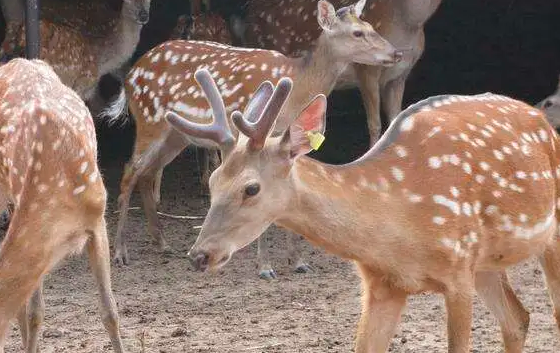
458	188
288	26
92	53
163	79
49	172
551	107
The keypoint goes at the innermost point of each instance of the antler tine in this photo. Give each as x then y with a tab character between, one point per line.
258	130
219	130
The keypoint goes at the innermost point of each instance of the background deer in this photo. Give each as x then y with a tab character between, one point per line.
288	26
93	53
470	183
49	172
551	107
163	79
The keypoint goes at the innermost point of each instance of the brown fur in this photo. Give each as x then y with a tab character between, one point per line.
49	172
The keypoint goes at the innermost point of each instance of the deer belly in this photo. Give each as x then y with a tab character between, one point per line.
507	249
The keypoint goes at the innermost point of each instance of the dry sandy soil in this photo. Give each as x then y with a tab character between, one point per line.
167	307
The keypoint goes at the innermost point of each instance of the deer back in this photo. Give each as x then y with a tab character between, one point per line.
48	145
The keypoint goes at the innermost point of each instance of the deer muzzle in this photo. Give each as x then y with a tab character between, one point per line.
200	261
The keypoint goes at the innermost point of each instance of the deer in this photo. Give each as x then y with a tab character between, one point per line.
50	175
163	79
458	188
551	107
93	53
288	26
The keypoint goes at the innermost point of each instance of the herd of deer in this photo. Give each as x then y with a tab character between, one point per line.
491	162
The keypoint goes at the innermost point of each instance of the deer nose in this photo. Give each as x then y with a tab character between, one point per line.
143	16
200	261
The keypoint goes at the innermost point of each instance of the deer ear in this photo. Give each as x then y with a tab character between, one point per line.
359	7
326	14
301	136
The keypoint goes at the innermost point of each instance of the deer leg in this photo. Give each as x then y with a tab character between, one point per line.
35	315
550	262
265	269
459	305
392	96
23	326
494	289
381	312
99	255
294	245
368	82
146	186
157	186
151	162
204	164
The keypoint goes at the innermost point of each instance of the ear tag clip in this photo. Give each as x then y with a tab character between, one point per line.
316	139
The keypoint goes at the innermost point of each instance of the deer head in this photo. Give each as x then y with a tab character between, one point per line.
255	182
551	107
353	38
137	10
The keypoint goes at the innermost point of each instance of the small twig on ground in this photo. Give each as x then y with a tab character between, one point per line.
167	214
262	347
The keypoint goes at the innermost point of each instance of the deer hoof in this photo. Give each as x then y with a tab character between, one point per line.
121	259
267	274
303	268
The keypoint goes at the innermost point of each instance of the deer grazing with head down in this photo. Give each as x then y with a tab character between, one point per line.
288	26
49	172
163	80
551	107
458	189
92	52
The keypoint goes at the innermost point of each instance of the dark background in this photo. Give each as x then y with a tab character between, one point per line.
510	47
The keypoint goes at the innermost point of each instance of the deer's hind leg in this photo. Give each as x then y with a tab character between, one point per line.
495	290
56	241
98	251
550	262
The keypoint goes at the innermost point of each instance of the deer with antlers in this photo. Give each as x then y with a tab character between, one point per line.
551	107
163	79
94	51
457	189
49	172
288	26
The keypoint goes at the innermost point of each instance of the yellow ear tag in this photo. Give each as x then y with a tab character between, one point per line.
316	139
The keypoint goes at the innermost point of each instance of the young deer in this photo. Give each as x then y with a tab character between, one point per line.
551	107
92	54
457	189
163	79
49	172
288	26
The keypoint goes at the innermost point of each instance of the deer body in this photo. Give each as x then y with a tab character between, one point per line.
288	27
163	80
471	184
91	55
49	173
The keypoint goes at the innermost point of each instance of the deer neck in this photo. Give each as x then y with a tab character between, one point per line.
115	49
314	73
337	207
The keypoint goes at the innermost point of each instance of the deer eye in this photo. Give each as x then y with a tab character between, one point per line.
252	189
358	34
547	104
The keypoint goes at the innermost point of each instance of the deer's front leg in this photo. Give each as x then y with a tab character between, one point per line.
265	268
368	82
392	96
381	312
458	301
294	246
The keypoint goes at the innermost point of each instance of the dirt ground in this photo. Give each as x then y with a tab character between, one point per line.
167	307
